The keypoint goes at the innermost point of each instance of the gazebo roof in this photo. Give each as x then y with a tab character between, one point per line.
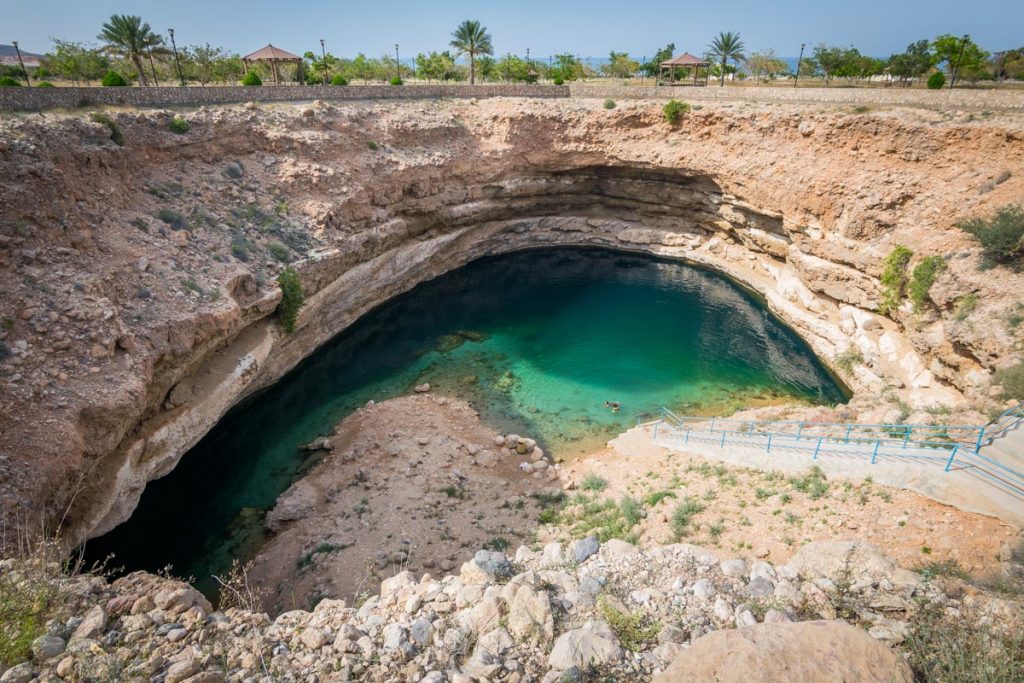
685	59
271	54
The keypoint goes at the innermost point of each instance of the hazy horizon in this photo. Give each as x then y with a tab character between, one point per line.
589	29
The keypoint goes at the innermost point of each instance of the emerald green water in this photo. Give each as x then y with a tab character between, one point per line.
537	341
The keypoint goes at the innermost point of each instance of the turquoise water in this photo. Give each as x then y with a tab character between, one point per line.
537	341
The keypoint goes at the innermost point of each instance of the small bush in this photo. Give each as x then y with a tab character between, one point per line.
1001	235
849	359
632	629
339	80
112	79
291	298
172	218
814	483
558	80
179	125
1011	379
958	646
396	81
279	252
252	79
609	104
592	482
894	279
965	305
8	82
44	84
674	110
681	516
373	146
936	81
115	133
922	279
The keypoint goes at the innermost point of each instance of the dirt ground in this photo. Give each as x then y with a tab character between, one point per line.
753	514
412	483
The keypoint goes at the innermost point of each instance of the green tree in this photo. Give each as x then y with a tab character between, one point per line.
914	62
76	61
652	67
620	65
471	38
568	67
948	47
725	47
131	38
321	66
837	62
766	65
438	66
1010	64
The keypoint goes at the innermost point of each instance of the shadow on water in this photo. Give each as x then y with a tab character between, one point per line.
537	341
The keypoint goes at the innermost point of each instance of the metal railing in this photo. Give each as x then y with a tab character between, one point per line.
954	447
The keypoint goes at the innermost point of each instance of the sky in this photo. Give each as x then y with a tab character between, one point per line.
590	29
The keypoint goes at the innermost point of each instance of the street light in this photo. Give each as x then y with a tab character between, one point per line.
323	53
24	71
181	76
398	64
959	60
799	62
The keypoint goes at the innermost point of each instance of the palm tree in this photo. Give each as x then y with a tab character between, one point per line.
471	38
727	45
130	37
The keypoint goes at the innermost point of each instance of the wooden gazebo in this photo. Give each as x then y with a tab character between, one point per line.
685	61
273	56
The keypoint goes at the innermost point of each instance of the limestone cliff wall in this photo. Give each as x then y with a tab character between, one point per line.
140	277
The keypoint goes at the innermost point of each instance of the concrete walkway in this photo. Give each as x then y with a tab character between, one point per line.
1007	449
965	486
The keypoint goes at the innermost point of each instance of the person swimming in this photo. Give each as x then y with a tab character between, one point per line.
614	405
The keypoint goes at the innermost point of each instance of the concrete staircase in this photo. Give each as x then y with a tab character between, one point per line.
1007	449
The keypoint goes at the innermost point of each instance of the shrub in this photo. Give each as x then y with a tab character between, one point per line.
339	80
609	104
8	82
44	84
964	306
681	516
632	629
849	359
922	279
252	79
179	125
115	132
373	146
592	482
1001	235
963	646
558	80
894	279
936	81
674	110
112	79
172	218
1011	379
291	298
279	252
396	81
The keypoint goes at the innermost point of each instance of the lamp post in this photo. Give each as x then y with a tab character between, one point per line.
799	62
181	76
643	66
323	53
24	71
959	60
398	67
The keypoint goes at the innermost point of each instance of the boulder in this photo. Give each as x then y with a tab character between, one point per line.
486	565
810	652
582	549
92	625
830	559
297	502
594	645
529	617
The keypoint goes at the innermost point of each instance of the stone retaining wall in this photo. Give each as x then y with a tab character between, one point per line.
941	99
35	99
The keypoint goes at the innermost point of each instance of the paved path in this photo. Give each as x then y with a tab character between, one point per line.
1008	449
919	470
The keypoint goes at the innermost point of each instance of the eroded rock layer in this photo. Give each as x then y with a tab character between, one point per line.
139	279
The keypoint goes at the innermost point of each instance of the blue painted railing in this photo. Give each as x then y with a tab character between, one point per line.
954	447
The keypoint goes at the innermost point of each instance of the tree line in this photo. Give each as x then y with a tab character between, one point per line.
131	52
